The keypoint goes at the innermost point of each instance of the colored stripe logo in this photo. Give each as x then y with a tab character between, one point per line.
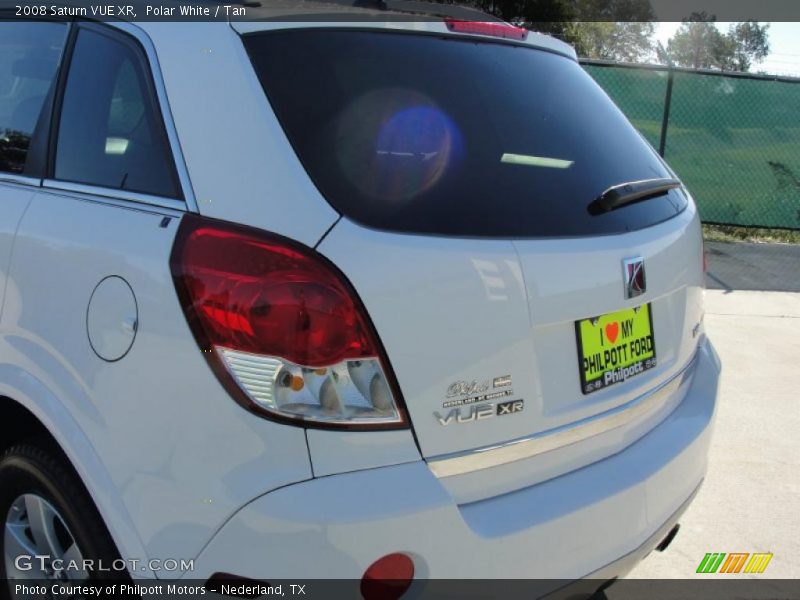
734	562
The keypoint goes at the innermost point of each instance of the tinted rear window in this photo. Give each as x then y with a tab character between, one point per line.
442	135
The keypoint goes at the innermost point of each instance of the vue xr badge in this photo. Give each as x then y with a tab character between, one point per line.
479	412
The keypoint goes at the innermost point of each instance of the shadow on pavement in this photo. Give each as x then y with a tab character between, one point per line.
751	266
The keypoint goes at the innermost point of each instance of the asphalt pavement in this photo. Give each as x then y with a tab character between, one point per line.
751	266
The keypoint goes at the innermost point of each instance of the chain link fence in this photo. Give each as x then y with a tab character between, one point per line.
734	139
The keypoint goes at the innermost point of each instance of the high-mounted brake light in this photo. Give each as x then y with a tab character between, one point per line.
502	30
282	328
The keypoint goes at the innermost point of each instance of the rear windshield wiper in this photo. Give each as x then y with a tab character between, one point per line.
628	193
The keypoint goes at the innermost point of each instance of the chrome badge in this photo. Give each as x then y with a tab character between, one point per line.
633	273
479	412
476	400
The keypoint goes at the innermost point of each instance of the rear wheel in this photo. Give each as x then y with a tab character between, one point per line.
51	528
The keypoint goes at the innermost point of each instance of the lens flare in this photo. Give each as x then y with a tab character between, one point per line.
395	144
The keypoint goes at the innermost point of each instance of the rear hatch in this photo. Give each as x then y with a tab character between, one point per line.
465	168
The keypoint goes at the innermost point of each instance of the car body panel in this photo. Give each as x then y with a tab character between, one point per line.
236	153
15	199
179	470
447	310
182	456
672	258
23	384
565	528
335	452
464	310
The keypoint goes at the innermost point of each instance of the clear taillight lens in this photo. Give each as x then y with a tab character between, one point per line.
282	329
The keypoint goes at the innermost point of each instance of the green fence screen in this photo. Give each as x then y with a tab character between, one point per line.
733	140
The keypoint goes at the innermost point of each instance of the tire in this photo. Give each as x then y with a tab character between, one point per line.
40	492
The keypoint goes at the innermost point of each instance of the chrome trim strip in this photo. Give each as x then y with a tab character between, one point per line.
112	194
493	456
20	179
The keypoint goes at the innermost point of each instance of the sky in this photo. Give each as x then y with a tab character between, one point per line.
784	41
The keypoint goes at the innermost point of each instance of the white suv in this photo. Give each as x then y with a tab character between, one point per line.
285	299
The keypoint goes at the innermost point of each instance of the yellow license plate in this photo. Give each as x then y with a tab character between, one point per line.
615	347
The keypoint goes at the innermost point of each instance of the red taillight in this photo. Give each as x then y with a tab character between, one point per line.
256	294
388	578
286	328
502	30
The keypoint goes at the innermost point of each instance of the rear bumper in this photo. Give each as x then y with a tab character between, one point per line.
596	521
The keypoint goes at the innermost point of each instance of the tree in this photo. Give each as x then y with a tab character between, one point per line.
751	43
699	44
623	41
618	11
548	16
611	29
